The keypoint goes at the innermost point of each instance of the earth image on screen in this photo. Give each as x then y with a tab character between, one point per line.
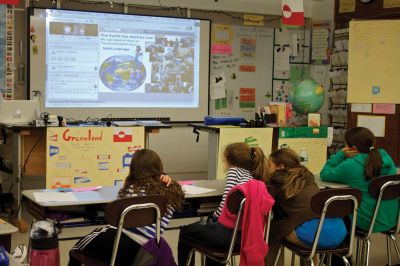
122	73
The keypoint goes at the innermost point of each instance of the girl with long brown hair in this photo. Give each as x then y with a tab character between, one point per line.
356	165
293	218
145	178
242	163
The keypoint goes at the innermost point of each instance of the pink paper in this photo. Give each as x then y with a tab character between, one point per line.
81	189
221	49
383	108
186	182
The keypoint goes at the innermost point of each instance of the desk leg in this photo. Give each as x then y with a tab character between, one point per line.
17	170
146	139
17	167
213	149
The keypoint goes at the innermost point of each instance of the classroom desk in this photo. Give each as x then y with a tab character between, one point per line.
95	201
18	133
6	230
324	184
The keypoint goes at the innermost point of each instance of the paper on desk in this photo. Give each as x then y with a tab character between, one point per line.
194	190
185	182
54	196
81	189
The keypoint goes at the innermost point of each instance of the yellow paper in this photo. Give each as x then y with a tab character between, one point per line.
221	34
90	156
316	150
374	68
347	6
253	20
255	137
391	3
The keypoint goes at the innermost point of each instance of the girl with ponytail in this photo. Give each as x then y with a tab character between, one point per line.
356	165
242	163
293	218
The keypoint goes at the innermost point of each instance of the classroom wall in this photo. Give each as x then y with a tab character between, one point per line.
182	156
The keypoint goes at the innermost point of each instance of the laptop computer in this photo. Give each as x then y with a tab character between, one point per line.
18	112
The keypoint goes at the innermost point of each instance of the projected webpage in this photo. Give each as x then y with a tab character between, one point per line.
113	60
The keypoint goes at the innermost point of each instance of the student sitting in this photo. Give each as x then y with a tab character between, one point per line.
293	218
243	163
356	165
145	177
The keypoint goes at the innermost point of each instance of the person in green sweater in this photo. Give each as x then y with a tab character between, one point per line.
356	165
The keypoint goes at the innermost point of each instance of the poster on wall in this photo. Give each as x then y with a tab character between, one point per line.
90	156
255	137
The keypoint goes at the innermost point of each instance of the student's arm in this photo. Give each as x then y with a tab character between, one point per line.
166	179
231	181
336	168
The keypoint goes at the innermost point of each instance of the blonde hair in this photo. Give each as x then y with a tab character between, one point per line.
295	174
241	155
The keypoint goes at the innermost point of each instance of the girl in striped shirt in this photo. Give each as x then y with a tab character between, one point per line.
242	163
145	178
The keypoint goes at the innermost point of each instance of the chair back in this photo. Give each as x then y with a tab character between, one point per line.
135	212
336	203
138	216
235	204
384	188
342	206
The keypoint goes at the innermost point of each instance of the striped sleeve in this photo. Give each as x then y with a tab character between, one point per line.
234	176
149	231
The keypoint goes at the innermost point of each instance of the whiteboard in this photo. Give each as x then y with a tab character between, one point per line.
242	57
374	62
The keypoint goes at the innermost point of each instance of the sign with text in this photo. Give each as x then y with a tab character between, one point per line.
90	156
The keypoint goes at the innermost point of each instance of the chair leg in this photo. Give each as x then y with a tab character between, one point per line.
321	260
367	255
344	258
395	245
361	257
329	260
189	258
389	257
233	260
278	255
293	258
358	251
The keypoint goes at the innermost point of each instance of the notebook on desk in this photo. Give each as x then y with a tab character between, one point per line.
18	112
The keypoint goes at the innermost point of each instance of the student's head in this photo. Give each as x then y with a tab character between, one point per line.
145	164
363	140
283	158
241	155
286	163
144	175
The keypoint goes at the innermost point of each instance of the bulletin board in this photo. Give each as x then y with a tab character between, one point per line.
255	137
314	140
90	156
374	62
240	69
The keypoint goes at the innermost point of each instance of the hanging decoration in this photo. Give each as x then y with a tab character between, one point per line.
293	12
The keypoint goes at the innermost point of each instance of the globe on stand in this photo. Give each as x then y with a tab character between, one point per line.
307	96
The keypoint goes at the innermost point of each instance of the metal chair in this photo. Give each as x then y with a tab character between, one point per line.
381	188
235	204
128	213
328	203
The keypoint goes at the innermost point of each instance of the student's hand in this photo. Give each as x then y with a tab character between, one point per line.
349	152
166	179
